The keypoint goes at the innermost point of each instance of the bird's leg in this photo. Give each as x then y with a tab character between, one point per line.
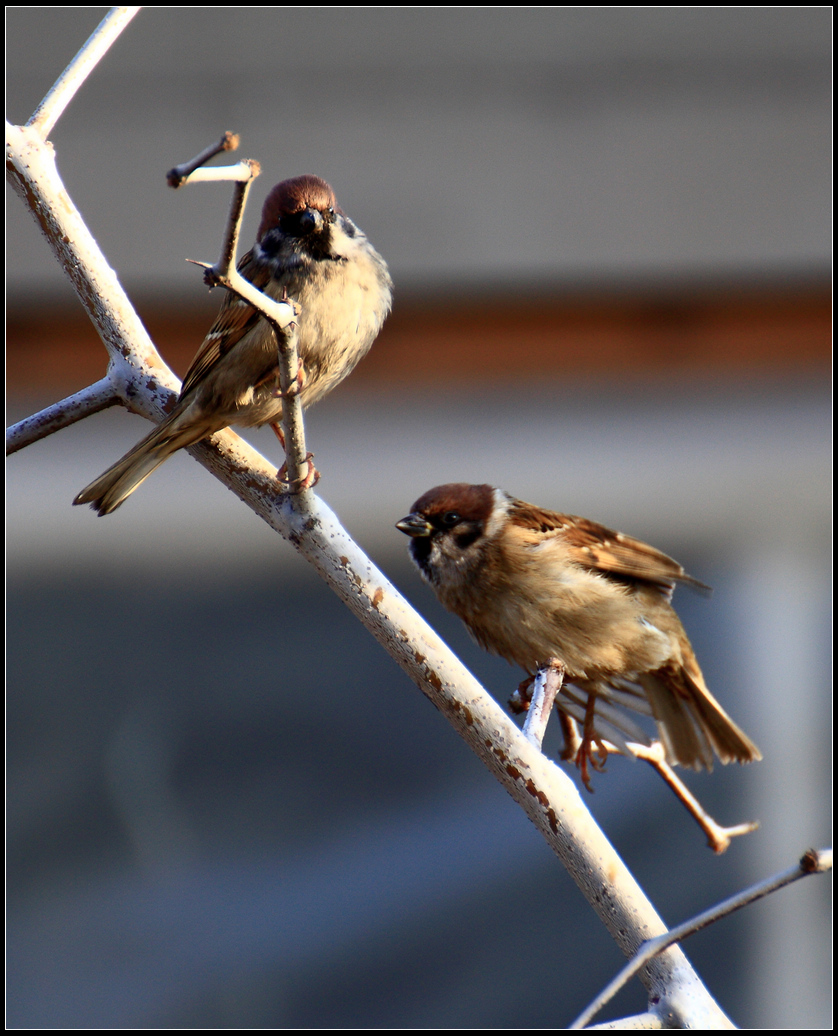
590	738
718	837
307	481
547	684
571	735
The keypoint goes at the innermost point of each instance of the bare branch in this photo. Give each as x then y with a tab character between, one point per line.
178	175
812	862
718	837
300	474
281	316
247	169
137	372
647	1020
49	111
74	408
225	268
548	683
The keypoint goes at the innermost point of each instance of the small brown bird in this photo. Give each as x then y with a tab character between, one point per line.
532	585
308	250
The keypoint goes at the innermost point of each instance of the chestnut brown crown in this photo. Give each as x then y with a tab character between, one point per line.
469	503
295	195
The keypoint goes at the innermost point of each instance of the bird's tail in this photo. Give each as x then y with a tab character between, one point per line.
691	723
110	489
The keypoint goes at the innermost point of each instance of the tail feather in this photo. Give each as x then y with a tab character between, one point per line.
729	741
691	723
115	485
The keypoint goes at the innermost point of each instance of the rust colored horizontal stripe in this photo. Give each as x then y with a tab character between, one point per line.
746	332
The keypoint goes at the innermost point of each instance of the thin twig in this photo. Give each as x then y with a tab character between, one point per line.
281	316
297	460
179	174
718	837
226	265
547	684
247	169
90	400
50	109
812	862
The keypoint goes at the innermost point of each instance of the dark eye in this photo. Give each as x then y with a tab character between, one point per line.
451	518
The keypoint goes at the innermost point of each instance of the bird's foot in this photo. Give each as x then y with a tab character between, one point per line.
521	697
294	389
306	481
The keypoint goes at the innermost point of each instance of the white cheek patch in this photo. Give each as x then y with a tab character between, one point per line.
348	247
497	518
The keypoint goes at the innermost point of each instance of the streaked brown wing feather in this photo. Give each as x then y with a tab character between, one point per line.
234	320
601	549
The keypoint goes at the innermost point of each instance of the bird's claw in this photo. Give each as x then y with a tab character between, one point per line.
522	696
295	388
307	481
592	751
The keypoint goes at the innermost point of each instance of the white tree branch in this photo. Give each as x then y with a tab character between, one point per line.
50	109
90	400
812	862
208	174
182	173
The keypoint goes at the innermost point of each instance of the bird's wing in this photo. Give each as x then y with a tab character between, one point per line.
235	319
595	547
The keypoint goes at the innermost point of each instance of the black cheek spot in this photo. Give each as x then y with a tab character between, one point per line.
270	243
466	534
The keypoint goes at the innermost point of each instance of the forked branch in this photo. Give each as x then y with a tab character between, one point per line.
811	862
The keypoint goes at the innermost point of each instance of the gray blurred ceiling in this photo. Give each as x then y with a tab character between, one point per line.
500	145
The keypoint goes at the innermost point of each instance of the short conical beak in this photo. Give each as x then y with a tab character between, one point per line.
414	525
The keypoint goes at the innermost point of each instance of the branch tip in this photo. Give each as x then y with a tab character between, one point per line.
178	175
815	861
91	400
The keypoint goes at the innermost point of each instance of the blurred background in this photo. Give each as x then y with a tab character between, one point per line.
610	233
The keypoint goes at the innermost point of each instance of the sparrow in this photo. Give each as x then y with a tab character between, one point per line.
309	252
533	585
